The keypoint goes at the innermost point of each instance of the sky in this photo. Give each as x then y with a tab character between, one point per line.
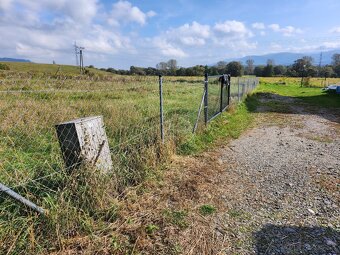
122	33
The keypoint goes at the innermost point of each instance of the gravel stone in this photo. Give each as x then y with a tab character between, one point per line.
286	183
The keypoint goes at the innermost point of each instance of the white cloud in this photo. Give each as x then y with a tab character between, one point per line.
78	10
167	49
275	46
81	10
101	40
258	25
274	27
185	40
41	30
233	35
5	5
285	31
124	12
232	29
330	45
151	14
335	30
193	34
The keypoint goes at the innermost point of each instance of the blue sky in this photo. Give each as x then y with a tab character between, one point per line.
142	33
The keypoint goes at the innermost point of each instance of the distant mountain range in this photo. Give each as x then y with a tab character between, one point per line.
13	60
288	58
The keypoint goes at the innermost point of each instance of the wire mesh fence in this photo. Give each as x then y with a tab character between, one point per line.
242	86
31	157
222	90
36	157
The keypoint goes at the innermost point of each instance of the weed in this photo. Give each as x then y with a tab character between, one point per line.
150	229
178	218
207	210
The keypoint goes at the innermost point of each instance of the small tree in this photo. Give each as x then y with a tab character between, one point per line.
172	66
258	71
268	71
337	70
327	72
279	70
301	65
250	66
235	68
162	66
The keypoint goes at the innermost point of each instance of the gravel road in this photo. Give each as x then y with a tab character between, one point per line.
285	173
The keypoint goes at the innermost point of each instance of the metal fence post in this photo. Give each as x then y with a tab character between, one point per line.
206	99
228	78
238	89
221	94
161	107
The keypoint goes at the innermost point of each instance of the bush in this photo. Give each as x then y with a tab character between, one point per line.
4	67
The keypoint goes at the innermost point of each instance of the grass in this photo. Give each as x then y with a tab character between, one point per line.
177	218
229	125
86	204
51	69
313	96
207	210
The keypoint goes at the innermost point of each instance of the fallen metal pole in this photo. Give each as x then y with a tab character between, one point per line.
21	199
199	112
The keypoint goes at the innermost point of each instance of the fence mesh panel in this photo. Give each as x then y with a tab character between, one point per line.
214	96
218	98
31	105
242	86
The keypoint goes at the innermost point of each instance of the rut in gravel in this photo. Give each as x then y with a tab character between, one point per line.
285	196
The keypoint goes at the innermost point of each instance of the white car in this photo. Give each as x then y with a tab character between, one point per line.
333	88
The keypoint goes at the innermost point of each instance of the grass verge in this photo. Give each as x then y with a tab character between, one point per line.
229	125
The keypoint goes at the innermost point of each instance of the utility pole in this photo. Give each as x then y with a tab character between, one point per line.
81	60
79	51
76	52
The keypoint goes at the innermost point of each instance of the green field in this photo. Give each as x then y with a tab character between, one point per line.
50	69
312	95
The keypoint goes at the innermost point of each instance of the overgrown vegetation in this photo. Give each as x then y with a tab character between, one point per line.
4	66
86	210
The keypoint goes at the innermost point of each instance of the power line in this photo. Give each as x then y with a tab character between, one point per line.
76	53
79	51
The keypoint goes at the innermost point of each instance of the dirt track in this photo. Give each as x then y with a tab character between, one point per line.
285	193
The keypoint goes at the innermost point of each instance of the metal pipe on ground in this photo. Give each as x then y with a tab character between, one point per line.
21	199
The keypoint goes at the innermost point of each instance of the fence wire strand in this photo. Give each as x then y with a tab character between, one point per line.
32	106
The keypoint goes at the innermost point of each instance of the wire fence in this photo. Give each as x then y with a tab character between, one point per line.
46	131
242	86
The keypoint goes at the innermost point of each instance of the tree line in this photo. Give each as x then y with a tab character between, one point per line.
302	67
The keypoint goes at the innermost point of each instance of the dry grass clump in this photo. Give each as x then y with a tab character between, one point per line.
165	218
